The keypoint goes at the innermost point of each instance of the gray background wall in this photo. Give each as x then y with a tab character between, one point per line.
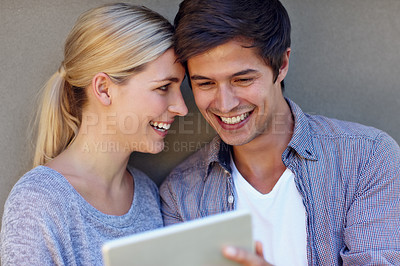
343	64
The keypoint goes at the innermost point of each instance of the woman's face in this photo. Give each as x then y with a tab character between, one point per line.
146	104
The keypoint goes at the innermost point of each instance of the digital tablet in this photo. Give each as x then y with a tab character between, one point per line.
195	243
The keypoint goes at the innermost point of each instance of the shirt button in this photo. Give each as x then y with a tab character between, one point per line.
230	199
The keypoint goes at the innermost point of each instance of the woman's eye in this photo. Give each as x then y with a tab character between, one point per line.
164	88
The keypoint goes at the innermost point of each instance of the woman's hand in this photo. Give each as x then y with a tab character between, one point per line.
244	257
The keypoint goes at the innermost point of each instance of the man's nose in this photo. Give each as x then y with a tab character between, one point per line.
225	98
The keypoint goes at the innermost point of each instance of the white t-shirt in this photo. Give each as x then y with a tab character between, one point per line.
279	218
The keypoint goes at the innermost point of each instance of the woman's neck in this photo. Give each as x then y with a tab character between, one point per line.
98	174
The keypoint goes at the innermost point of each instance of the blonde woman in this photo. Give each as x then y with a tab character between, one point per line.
117	91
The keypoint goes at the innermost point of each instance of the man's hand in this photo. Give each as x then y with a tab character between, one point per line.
244	257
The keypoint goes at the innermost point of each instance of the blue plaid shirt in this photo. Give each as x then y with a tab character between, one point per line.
347	174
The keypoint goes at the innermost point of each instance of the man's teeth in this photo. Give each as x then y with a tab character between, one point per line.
160	126
234	119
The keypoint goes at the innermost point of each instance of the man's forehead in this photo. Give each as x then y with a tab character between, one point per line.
229	58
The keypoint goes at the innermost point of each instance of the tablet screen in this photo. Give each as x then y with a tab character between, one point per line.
198	242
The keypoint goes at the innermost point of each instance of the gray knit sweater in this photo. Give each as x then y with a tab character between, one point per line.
46	221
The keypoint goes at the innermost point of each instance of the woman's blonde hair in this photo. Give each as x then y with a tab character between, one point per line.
117	39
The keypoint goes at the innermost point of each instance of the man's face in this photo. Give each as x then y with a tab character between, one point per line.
234	90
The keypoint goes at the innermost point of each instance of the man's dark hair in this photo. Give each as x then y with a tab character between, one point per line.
205	24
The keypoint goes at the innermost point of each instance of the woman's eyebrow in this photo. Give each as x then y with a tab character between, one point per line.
171	79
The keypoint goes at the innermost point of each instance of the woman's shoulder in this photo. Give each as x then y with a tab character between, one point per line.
41	186
146	202
140	178
35	209
41	178
145	188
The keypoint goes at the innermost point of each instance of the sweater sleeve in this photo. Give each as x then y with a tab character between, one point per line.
28	228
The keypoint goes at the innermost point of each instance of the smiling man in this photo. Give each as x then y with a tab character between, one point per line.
321	191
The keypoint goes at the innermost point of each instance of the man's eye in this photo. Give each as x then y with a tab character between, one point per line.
244	81
205	85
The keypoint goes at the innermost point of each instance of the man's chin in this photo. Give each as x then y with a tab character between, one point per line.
235	140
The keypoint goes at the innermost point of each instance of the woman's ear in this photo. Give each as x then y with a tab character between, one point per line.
101	83
285	65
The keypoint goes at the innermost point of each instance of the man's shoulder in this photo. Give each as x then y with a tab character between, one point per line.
196	162
325	127
346	134
319	126
194	168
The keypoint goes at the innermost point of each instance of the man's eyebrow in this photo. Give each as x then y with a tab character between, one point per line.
243	72
171	79
198	77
